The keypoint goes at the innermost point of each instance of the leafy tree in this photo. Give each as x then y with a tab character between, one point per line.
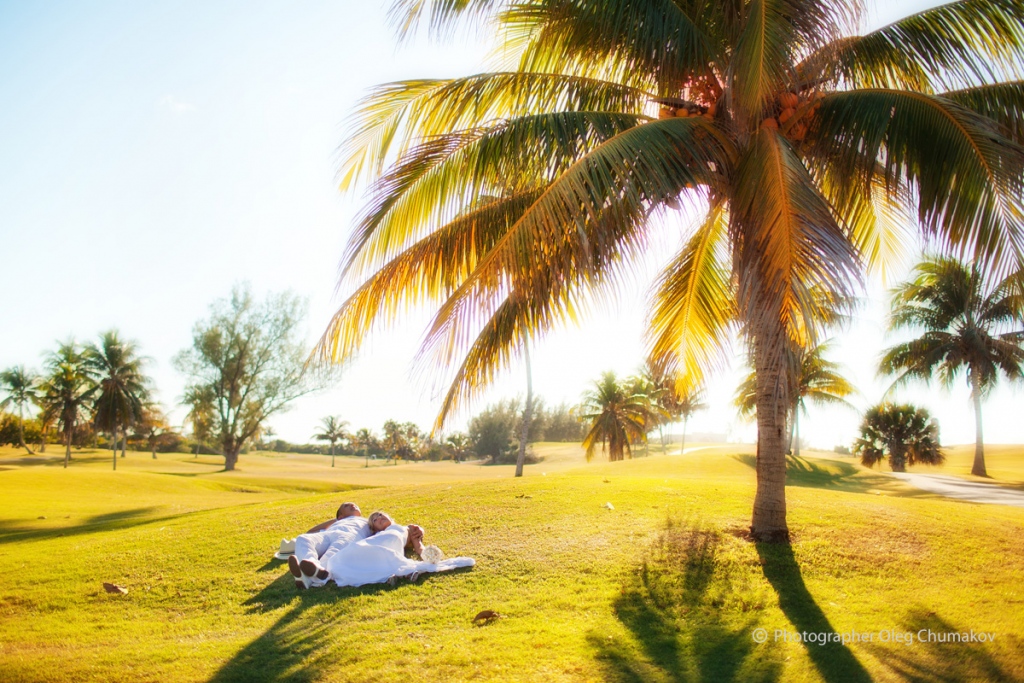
20	386
904	434
506	199
968	323
123	387
459	445
366	443
491	432
817	380
200	403
332	430
67	391
560	424
617	417
249	356
152	427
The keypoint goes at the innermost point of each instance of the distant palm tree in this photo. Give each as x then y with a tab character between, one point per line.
365	441
968	324
679	397
459	445
904	434
817	381
617	417
508	199
152	426
20	386
123	387
333	430
67	391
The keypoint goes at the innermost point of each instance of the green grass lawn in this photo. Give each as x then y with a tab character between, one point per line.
665	587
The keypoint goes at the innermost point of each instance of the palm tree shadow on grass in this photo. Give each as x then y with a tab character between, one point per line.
840	476
688	622
11	531
834	661
937	662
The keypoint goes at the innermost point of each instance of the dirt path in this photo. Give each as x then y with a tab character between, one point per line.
962	489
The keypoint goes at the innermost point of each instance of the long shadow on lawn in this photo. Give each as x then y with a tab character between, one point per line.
10	532
945	662
839	476
688	622
834	661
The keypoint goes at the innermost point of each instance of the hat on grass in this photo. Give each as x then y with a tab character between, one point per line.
286	550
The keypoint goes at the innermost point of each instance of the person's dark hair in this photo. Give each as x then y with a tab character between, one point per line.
341	507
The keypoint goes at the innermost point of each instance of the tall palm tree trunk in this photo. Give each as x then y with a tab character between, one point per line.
769	518
332	454
21	431
682	447
978	469
67	446
524	431
124	441
113	448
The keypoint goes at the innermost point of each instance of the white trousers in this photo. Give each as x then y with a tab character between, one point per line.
320	547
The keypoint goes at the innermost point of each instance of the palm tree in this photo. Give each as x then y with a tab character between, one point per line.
509	199
969	324
20	385
67	391
679	398
459	445
333	430
365	441
903	433
817	380
151	426
123	388
617	417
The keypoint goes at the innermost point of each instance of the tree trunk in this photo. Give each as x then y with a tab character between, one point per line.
769	518
897	460
113	448
67	443
978	469
124	441
21	431
796	430
524	431
682	446
231	451
332	454
153	445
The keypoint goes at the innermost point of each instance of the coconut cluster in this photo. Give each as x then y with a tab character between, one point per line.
690	109
793	114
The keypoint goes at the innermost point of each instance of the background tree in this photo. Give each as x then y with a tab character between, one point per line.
332	430
645	387
123	387
816	380
199	400
904	434
366	444
459	445
249	356
507	198
679	397
616	417
152	427
968	323
20	386
492	431
67	391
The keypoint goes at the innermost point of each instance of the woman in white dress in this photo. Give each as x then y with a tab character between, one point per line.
381	557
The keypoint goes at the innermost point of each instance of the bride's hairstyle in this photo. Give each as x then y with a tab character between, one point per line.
374	516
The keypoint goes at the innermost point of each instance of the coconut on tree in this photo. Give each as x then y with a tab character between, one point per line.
507	200
20	385
904	434
969	324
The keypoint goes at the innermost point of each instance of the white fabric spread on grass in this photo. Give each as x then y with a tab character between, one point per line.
381	556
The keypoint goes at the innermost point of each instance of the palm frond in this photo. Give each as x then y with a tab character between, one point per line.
397	116
1001	102
693	304
435	181
966	176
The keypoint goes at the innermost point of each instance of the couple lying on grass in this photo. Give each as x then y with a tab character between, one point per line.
353	551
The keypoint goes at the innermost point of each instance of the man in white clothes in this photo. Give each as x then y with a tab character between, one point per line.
315	547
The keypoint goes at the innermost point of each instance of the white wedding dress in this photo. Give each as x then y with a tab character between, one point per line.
381	556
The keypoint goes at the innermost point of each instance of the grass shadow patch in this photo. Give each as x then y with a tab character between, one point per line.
687	619
12	532
935	661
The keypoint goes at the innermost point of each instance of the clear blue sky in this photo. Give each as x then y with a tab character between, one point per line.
154	154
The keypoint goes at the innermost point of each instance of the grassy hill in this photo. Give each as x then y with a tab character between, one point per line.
664	587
